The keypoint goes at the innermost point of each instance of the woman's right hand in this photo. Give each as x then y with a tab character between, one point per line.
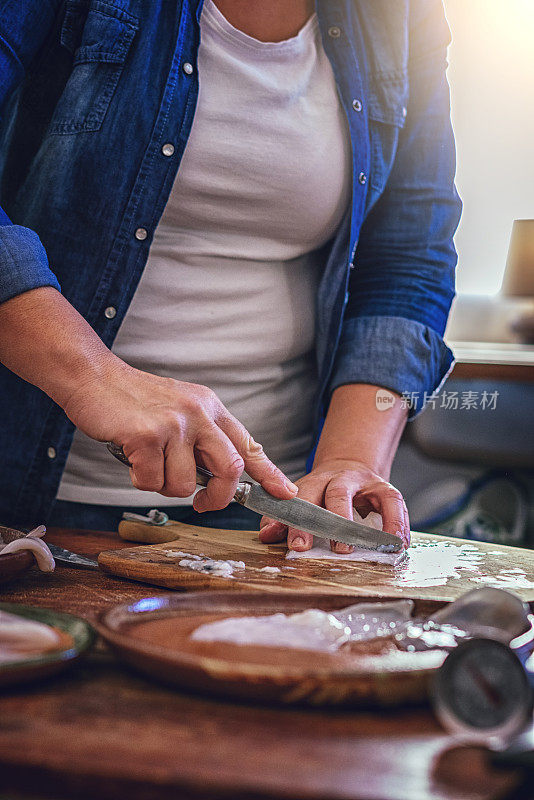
165	427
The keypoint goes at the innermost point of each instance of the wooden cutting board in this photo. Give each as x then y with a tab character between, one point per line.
437	567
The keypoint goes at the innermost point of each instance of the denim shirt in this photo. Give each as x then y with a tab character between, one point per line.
91	91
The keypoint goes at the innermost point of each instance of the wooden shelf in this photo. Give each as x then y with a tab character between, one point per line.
494	360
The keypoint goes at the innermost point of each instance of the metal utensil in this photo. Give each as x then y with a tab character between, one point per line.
483	693
70	559
487	612
484	690
299	514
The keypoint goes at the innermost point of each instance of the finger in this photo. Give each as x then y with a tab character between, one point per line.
273	532
313	493
221	457
389	502
256	462
299	540
407	530
180	470
362	505
147	470
338	499
393	513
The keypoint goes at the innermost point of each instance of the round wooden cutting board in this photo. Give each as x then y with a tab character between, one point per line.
154	636
14	564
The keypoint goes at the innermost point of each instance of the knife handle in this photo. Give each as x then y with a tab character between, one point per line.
202	477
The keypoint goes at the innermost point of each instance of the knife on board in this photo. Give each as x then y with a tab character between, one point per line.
69	559
299	514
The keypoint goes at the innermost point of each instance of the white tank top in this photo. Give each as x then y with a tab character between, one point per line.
227	297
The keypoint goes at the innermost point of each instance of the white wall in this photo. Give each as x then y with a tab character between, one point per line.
492	83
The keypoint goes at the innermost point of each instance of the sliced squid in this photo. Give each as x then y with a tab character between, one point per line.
20	636
32	541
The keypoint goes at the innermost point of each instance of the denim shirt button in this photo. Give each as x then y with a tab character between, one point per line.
334	32
362	178
110	312
141	234
51	453
187	68
168	149
404	111
357	105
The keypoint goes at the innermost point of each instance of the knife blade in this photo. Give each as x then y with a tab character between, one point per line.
63	556
313	519
299	514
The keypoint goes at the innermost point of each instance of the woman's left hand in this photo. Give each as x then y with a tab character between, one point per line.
341	486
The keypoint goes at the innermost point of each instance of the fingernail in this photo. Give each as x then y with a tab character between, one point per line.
291	486
405	536
198	503
298	541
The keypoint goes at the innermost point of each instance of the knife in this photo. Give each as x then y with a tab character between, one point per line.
63	556
299	514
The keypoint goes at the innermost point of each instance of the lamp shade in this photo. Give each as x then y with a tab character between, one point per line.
518	278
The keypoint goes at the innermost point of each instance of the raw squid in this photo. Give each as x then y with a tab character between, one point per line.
321	548
32	541
20	637
312	629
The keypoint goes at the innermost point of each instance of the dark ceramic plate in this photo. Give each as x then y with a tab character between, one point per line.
79	637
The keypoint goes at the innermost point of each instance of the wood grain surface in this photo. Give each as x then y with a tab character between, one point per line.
437	568
103	732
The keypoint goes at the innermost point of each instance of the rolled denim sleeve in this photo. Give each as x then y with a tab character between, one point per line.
395	353
402	284
23	262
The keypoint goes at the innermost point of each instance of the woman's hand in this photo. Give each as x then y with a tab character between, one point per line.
354	454
165	427
341	486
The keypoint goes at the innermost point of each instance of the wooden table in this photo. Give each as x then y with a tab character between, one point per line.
103	732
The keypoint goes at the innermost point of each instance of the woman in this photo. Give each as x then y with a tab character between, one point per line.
252	229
